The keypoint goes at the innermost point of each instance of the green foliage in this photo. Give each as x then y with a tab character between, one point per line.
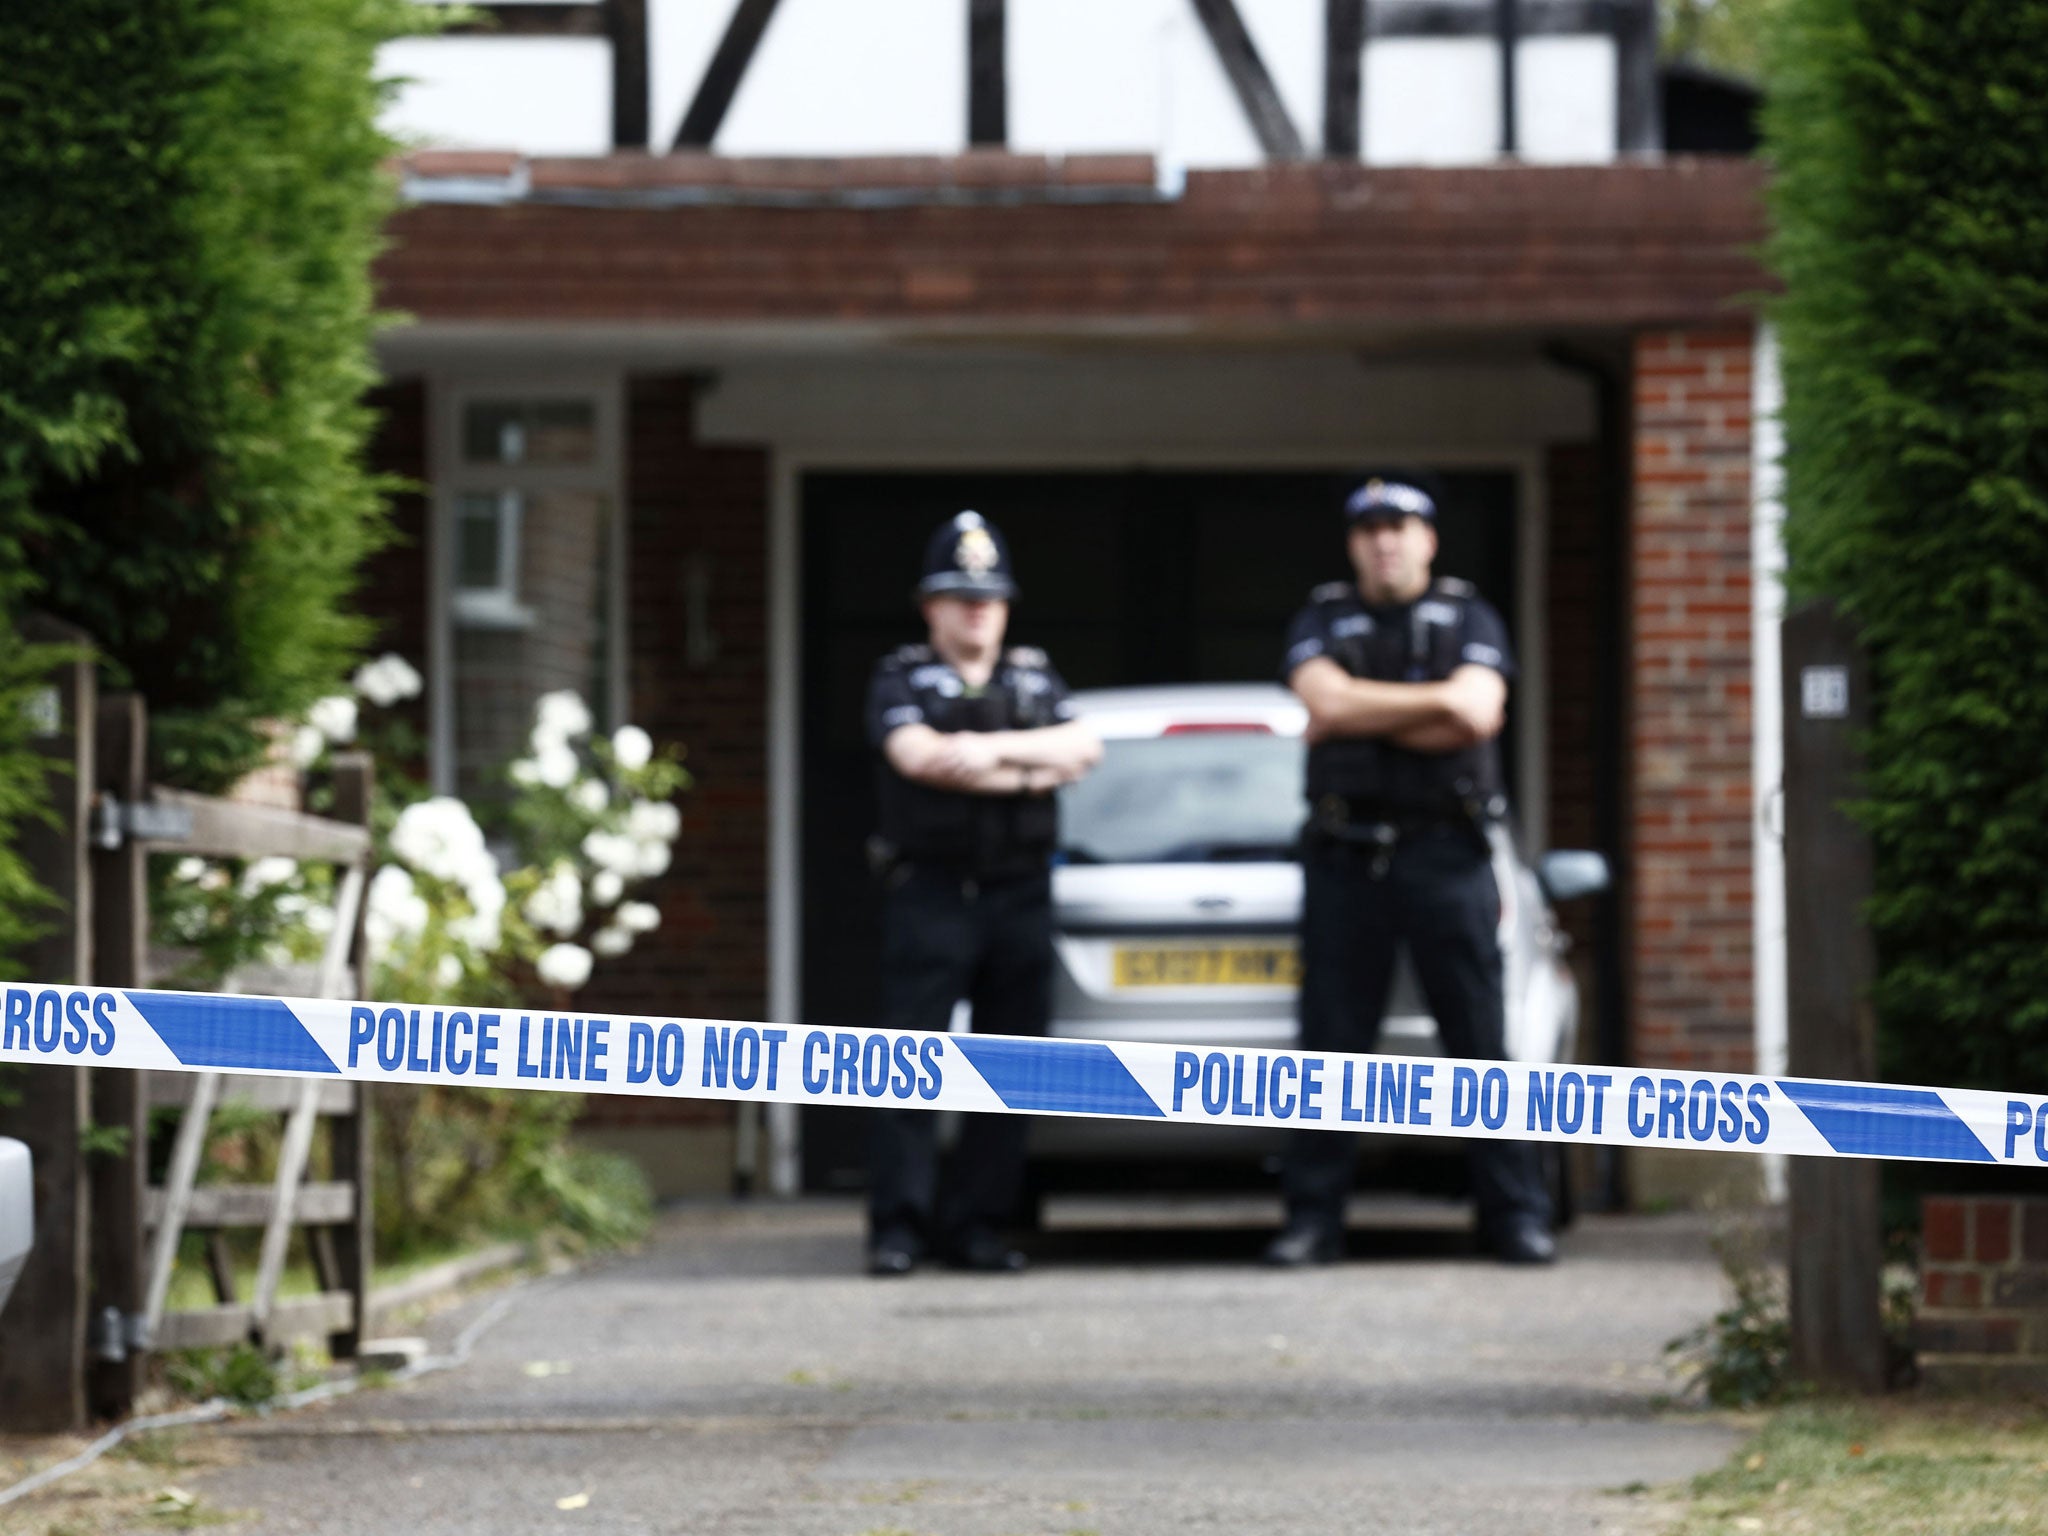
244	1374
24	778
1912	214
192	196
459	1163
1729	35
1739	1359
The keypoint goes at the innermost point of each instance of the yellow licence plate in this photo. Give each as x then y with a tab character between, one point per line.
1221	965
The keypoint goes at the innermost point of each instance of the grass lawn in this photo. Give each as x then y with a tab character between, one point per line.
1886	1469
191	1287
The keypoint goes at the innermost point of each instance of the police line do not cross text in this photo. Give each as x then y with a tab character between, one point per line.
794	1064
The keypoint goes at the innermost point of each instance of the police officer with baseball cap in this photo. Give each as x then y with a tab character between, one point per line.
973	741
1406	682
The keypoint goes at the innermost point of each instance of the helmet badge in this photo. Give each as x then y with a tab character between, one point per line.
976	552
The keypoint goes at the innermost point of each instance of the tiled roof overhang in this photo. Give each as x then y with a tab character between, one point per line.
1025	243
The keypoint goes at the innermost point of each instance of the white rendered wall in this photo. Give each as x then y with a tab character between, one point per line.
835	78
1567	99
540	95
882	77
1431	100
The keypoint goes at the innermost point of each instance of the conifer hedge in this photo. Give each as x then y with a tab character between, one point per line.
190	197
1910	139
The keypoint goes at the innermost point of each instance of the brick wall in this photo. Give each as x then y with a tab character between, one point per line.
1692	974
1983	1315
709	958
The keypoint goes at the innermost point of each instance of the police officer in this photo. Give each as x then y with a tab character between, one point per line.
1406	682
973	740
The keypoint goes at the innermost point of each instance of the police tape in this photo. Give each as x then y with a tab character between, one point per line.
1223	1085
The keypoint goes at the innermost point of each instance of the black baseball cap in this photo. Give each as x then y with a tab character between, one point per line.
1387	500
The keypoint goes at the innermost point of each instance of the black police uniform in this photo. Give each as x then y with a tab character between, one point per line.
967	913
1395	853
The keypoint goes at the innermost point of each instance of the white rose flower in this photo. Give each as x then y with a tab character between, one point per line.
632	748
562	715
486	893
396	912
590	796
654	860
556	904
448	970
555	765
334	717
439	837
564	965
606	887
524	772
319	919
307	745
264	873
188	870
611	940
612	850
650	821
638	917
387	680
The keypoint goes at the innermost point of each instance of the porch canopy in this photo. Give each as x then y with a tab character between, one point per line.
1001	243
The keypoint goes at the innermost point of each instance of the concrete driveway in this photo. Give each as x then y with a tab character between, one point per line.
738	1376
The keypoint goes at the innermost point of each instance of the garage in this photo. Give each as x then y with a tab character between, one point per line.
1128	577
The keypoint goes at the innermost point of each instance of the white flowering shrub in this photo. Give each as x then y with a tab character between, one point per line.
455	915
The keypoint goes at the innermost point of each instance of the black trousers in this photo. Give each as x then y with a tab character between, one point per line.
945	938
1437	896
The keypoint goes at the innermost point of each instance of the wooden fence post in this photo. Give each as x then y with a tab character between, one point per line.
43	1330
1836	1241
119	1175
349	1158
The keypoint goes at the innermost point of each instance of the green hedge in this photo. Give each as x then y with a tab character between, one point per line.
1911	145
190	197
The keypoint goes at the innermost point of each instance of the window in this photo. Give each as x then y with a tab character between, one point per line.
529	570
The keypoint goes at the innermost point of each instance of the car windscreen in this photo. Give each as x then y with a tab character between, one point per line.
1201	797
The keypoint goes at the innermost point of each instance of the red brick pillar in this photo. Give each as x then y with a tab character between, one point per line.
1982	1322
698	521
1692	974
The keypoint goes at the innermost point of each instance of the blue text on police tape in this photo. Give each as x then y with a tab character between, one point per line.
711	1058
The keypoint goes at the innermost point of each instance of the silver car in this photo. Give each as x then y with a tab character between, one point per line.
1177	903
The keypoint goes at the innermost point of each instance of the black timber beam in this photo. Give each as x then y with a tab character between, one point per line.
1481	18
1508	25
722	76
627	24
988	91
1343	77
573	18
1250	79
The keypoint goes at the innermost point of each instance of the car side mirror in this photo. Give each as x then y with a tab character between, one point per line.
17	1212
1568	873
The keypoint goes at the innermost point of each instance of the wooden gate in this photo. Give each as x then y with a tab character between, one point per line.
93	1301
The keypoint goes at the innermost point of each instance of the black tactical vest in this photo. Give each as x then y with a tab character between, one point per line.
984	836
1415	642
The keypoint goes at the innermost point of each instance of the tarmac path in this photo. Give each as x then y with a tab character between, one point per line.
738	1377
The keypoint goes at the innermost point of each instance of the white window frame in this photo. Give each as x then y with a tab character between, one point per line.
448	400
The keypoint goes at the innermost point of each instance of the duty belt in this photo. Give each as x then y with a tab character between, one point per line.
1374	832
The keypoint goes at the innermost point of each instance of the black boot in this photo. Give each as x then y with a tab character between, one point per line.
1305	1240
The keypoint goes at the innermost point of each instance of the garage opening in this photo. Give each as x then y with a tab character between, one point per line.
1127	578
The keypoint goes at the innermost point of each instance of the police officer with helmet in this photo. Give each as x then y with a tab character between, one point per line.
973	741
1406	682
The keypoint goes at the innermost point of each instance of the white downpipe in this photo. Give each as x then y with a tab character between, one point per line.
1767	734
